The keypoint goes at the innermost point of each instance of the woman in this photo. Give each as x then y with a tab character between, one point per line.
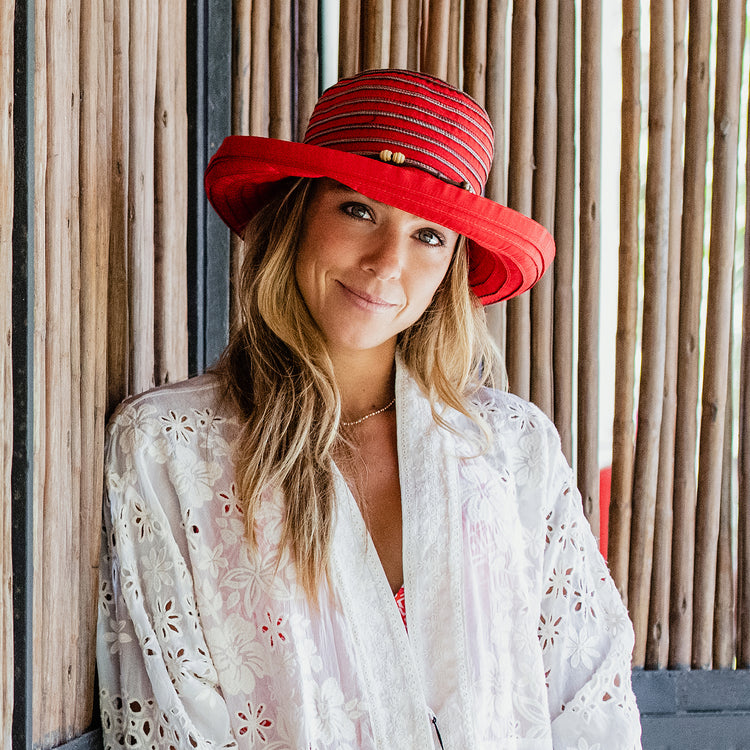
341	538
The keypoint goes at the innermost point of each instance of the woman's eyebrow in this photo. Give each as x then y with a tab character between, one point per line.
339	187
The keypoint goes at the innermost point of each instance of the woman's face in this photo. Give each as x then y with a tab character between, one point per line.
366	270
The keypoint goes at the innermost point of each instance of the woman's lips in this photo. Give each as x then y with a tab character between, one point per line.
365	300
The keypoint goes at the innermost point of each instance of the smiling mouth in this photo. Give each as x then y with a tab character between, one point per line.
365	300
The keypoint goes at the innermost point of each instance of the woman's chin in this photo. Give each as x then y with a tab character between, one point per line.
362	345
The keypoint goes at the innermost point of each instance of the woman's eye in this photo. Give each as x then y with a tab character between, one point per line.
430	237
358	211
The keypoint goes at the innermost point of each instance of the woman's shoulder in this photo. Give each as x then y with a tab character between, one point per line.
525	441
506	411
189	403
519	428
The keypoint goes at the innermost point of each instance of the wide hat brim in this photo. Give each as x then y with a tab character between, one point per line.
508	252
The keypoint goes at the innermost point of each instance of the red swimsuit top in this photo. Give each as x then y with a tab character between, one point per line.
401	604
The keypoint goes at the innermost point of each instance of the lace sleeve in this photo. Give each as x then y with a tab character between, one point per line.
584	630
158	686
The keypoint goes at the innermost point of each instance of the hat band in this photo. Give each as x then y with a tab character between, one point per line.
397	158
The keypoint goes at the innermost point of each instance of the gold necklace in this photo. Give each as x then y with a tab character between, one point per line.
371	414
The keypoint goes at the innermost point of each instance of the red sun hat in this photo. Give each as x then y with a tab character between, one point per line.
402	138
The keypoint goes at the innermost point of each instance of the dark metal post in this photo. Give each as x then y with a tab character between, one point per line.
23	376
209	121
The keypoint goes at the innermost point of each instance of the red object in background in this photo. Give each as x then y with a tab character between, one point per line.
605	483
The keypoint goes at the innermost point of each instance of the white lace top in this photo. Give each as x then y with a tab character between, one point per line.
517	637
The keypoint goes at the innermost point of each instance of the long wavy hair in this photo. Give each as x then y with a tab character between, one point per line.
277	371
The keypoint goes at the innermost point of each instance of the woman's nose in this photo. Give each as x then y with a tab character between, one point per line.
385	255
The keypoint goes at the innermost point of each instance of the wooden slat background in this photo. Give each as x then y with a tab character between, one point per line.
111	277
743	467
543	201
657	646
520	181
589	222
94	176
623	429
564	227
56	545
110	153
655	249
688	351
730	24
170	196
494	101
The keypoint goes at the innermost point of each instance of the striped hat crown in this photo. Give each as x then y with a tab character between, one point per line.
436	128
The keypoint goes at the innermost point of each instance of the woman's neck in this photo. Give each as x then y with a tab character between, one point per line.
365	380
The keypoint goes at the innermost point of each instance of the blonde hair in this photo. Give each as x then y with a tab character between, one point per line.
277	371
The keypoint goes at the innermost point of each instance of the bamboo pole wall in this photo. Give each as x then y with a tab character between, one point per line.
743	467
145	53
520	181
688	350
564	223
56	548
307	63
724	643
376	38
94	180
242	35
259	65
241	106
142	92
349	38
721	258
118	361
497	14
110	300
280	42
545	162
494	100
399	47
656	247
657	646
475	49
627	305
453	76
56	621
589	265
694	517
6	385
438	39
170	195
